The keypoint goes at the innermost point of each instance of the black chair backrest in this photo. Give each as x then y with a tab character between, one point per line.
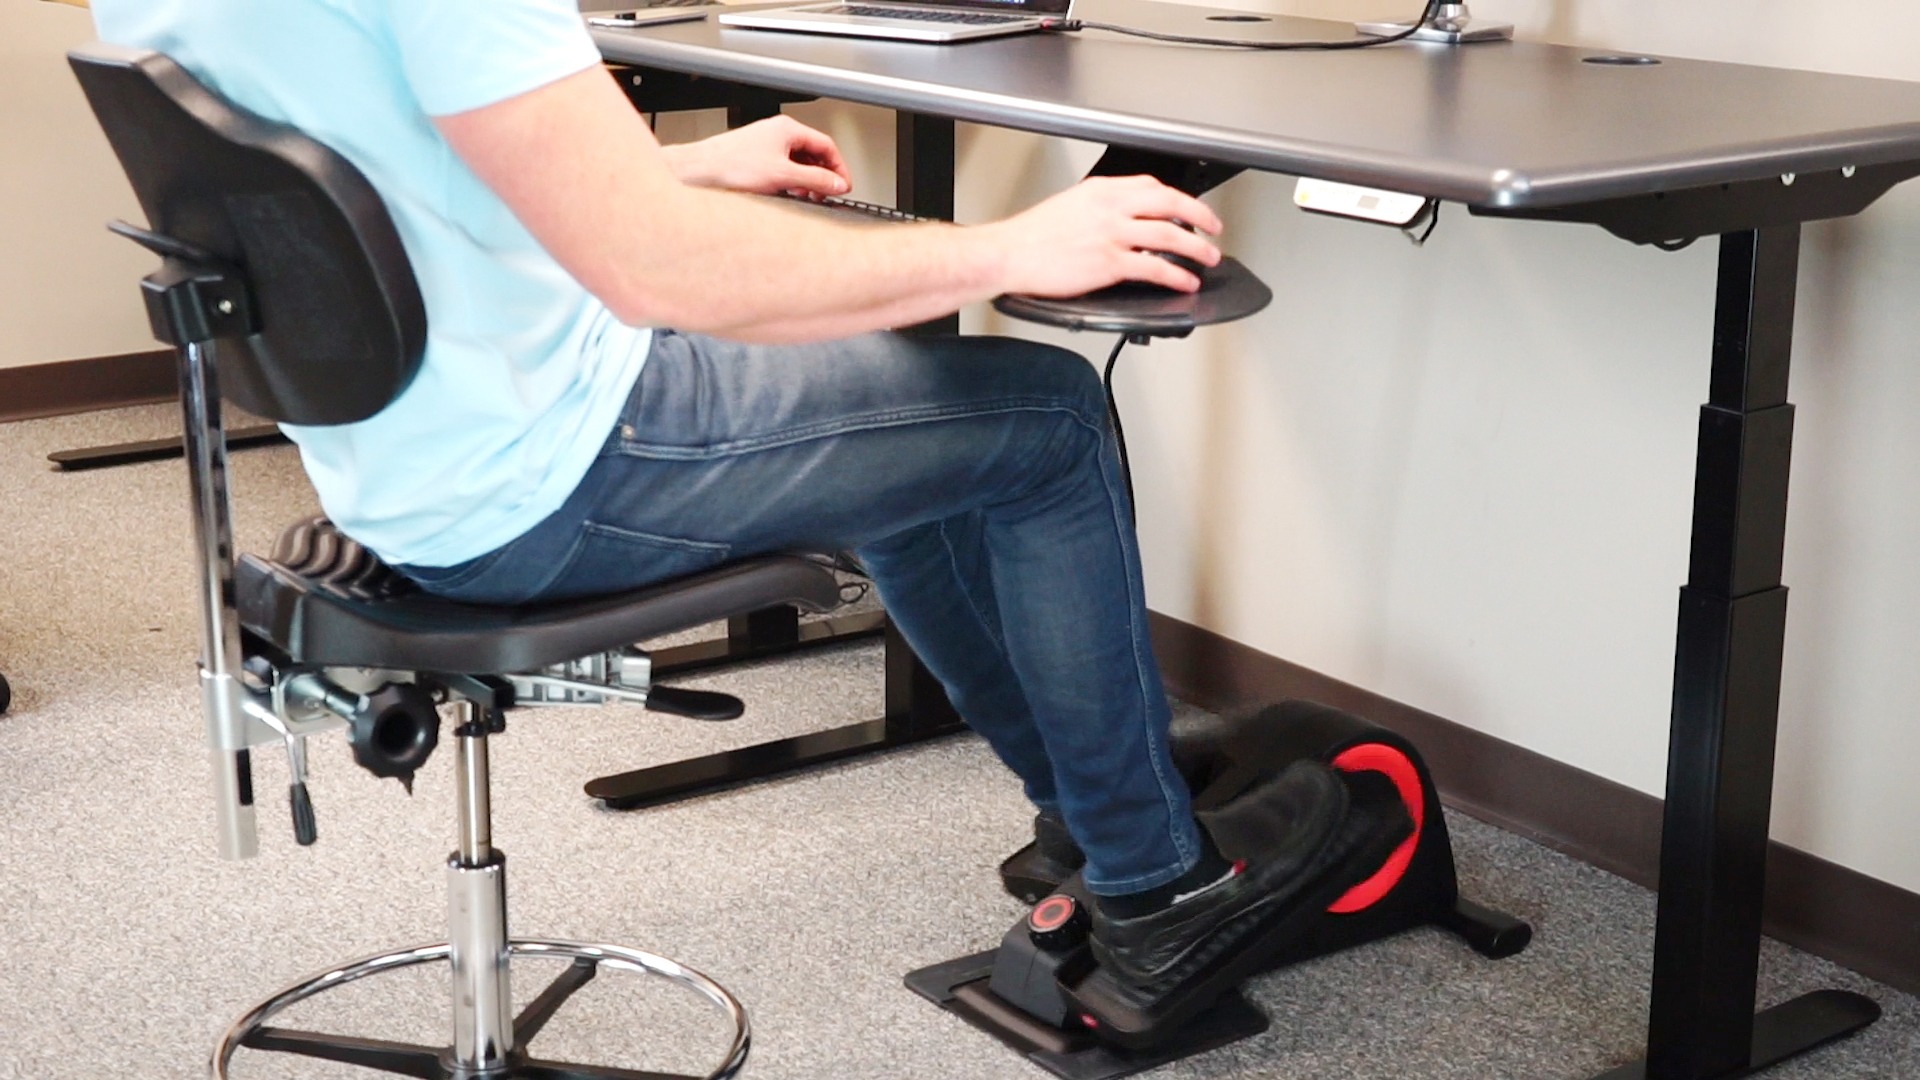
340	324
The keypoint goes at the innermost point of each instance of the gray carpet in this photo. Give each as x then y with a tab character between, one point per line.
128	946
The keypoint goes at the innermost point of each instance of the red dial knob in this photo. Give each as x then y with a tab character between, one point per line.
1058	923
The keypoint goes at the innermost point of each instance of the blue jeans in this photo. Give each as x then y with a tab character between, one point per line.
977	480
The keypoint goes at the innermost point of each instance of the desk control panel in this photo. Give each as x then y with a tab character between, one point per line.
1368	204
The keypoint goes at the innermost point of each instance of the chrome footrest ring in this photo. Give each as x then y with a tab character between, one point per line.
601	956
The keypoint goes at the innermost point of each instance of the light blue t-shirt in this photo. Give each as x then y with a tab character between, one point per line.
525	371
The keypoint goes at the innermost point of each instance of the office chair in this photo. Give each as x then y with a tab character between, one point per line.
284	288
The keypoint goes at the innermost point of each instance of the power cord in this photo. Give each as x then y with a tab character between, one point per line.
1113	415
1431	212
1426	13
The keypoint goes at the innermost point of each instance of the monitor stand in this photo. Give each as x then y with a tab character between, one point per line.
1451	24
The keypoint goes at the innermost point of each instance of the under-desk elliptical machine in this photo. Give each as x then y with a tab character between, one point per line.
1041	991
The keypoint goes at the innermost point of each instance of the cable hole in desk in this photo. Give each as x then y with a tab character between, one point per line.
1620	61
1238	18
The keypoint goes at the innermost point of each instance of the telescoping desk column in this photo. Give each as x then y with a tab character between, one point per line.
1653	150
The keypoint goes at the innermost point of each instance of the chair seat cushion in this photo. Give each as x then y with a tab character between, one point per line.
326	601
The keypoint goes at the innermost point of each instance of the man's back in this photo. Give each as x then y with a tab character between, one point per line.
525	371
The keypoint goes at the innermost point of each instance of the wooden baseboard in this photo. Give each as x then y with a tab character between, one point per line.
100	382
1814	905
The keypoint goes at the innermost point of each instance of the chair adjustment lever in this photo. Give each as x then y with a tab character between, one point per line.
694	704
299	799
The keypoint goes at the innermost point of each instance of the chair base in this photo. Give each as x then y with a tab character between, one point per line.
436	1062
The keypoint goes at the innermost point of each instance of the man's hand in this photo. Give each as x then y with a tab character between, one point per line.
767	157
1103	231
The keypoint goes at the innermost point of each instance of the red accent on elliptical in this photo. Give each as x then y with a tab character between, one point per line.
1397	767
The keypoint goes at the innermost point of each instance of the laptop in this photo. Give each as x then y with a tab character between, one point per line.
906	20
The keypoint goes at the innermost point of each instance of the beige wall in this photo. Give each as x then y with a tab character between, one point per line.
67	288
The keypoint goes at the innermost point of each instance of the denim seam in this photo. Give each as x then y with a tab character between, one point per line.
615	532
843	425
1140	883
565	563
475	567
953	560
1182	840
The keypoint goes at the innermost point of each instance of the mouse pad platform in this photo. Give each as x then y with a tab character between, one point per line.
1228	291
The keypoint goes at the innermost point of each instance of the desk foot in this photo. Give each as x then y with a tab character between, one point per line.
1782	1032
102	457
717	772
748	638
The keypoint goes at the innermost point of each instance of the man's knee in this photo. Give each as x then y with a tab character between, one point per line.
1051	371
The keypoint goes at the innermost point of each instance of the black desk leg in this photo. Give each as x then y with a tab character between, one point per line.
755	109
104	457
917	710
923	170
917	707
1726	699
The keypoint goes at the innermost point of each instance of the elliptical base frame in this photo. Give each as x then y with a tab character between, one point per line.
960	987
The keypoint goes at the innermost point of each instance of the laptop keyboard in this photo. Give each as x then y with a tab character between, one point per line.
854	207
872	210
966	18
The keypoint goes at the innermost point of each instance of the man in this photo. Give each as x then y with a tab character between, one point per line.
560	440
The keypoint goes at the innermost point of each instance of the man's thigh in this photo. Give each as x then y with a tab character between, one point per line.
702	397
727	450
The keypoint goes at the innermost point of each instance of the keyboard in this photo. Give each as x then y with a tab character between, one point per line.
966	18
872	210
854	207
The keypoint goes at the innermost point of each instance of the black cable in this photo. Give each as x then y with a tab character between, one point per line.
1119	434
1432	213
1426	13
1675	245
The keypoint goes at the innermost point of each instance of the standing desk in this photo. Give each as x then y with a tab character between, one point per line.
1654	153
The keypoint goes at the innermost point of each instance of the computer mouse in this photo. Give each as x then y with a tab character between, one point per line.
1192	266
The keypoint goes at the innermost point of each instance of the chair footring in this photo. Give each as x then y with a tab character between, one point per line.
436	1062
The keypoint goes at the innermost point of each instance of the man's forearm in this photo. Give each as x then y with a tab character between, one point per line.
662	252
587	178
749	268
686	162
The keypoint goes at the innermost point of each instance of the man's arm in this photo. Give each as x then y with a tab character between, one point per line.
585	175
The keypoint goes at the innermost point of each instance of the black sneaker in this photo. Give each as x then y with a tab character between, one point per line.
1038	869
1054	844
1310	836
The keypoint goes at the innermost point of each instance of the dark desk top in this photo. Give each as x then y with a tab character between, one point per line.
1495	125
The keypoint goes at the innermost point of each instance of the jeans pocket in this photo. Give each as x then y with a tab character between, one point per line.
610	559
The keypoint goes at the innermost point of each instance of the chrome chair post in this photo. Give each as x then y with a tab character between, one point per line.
477	911
206	453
